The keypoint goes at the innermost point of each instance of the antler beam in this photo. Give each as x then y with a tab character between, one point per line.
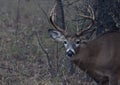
91	17
52	20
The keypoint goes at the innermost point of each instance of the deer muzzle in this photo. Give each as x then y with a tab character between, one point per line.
70	52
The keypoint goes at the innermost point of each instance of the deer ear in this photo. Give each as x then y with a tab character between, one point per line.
56	35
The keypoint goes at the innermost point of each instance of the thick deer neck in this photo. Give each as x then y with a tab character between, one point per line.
85	57
82	57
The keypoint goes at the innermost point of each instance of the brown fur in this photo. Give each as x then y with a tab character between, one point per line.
100	58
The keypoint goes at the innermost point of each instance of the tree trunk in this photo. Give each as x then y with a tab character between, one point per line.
60	14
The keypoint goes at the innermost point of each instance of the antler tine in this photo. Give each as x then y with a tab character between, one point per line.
91	12
91	17
52	18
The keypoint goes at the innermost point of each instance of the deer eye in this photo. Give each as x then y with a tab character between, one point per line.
65	42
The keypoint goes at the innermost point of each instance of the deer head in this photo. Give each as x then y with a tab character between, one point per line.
71	42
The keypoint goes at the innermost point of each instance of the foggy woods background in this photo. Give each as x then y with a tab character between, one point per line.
29	57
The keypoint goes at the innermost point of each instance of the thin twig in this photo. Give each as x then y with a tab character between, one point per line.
17	19
47	55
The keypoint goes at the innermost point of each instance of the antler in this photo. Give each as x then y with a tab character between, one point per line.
91	17
52	20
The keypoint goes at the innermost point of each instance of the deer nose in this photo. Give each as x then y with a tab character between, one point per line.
70	53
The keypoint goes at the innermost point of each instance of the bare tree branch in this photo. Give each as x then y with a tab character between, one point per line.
17	19
47	55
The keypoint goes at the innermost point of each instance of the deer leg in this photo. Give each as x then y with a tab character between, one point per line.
103	82
113	80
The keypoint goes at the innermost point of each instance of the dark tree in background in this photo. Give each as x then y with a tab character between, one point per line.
60	14
107	11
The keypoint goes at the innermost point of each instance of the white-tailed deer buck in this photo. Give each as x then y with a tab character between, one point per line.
99	57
